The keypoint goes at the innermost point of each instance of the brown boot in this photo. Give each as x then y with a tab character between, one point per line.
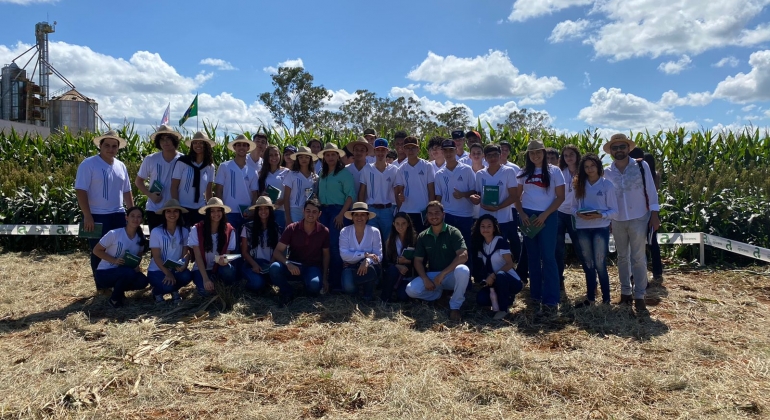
625	300
455	315
639	305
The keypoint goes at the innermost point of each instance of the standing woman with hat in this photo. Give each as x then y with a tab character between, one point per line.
271	175
103	187
168	242
335	192
258	240
233	183
541	188
299	184
193	177
361	252
210	240
156	169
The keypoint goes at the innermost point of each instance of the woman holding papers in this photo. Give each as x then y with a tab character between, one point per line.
499	279
170	254
210	240
120	251
399	254
258	240
270	182
541	188
594	205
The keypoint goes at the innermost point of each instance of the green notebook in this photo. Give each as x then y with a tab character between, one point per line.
156	187
408	253
273	193
531	231
173	265
491	195
244	210
94	234
131	260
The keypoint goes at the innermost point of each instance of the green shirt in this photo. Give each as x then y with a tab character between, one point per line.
335	189
438	252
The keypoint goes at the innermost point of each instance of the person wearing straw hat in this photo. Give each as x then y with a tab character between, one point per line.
259	238
361	252
255	157
541	192
378	181
154	177
211	240
360	149
637	217
233	182
103	188
168	271
299	184
336	193
193	177
415	184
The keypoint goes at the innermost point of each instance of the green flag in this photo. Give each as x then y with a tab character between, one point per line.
192	111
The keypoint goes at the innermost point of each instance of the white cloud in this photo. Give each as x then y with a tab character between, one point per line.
748	108
338	98
28	2
426	103
567	30
218	63
491	76
727	61
675	67
586	80
767	113
527	9
288	63
754	86
671	99
625	111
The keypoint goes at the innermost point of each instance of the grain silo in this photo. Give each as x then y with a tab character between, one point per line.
74	111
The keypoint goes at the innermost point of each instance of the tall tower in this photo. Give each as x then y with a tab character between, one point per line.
42	29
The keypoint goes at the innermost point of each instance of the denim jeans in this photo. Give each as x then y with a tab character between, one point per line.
464	225
254	281
522	264
457	281
226	274
564	226
505	286
310	276
351	281
120	279
541	255
630	242
192	217
280	220
390	284
155	277
594	244
383	221
328	213
237	221
419	226
657	265
109	222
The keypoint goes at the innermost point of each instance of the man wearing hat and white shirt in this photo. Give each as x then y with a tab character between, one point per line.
455	184
458	136
157	168
377	182
103	187
637	215
233	180
361	251
360	149
415	184
254	160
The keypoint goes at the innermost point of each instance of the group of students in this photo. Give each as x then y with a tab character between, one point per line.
346	220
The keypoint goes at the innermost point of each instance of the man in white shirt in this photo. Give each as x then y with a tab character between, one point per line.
415	185
103	187
378	182
436	153
254	160
370	135
458	136
471	138
233	179
637	217
398	145
360	149
154	177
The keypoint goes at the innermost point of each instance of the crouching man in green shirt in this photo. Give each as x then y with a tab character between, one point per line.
442	250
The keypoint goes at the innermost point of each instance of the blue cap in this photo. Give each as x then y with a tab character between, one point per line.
458	134
381	143
290	148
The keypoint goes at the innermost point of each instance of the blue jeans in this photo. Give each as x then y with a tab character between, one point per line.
564	225
254	281
391	283
506	286
226	274
310	276
328	213
594	244
456	281
383	221
120	279
351	281
520	253
183	278
109	222
237	221
464	225
541	255
630	242
654	247
280	220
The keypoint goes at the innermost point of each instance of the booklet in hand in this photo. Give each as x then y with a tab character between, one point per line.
408	253
156	187
173	265
231	257
588	211
96	233
273	193
491	195
244	210
531	231
131	260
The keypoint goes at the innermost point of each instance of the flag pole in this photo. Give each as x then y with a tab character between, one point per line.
196	114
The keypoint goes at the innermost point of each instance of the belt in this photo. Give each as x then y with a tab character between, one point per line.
382	206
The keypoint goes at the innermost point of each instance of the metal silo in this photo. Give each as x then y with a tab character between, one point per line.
74	111
12	80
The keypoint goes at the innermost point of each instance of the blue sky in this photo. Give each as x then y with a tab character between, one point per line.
588	63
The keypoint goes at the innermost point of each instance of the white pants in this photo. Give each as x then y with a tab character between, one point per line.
457	281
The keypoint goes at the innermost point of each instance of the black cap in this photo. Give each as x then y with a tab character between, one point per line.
370	131
448	144
458	134
505	143
411	141
491	148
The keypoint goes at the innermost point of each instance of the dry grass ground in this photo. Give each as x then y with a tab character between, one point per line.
703	352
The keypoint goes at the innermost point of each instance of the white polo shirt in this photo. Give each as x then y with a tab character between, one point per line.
153	168
379	185
298	184
356	177
274	179
504	178
569	192
235	182
104	183
116	243
255	166
171	246
186	176
415	180
461	178
192	241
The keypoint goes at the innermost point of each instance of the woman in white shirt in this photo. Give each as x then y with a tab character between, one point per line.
210	240
500	281
594	205
361	252
568	163
168	243
541	188
272	175
258	240
193	177
399	270
299	184
115	270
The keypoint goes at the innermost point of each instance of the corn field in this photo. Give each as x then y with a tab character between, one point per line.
713	182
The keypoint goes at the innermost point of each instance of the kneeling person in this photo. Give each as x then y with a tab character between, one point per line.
168	242
441	248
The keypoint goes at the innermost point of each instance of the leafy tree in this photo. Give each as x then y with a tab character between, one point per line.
295	102
532	122
457	116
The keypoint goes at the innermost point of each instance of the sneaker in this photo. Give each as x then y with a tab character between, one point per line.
115	303
455	315
584	304
640	305
177	301
625	300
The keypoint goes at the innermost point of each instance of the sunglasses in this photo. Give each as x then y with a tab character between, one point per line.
619	147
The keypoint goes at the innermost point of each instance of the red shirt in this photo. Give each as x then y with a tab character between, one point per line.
303	248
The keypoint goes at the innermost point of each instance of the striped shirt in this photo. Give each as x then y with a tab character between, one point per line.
235	183
104	183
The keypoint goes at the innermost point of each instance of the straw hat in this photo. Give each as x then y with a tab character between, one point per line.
171	204
361	141
112	134
535	145
617	138
164	129
242	139
262	201
304	151
331	147
214	202
359	207
199	136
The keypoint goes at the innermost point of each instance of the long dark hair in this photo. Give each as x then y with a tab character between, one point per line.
257	229
579	182
180	224
208	154
529	170
562	163
325	166
295	167
391	253
143	242
265	170
477	241
221	240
